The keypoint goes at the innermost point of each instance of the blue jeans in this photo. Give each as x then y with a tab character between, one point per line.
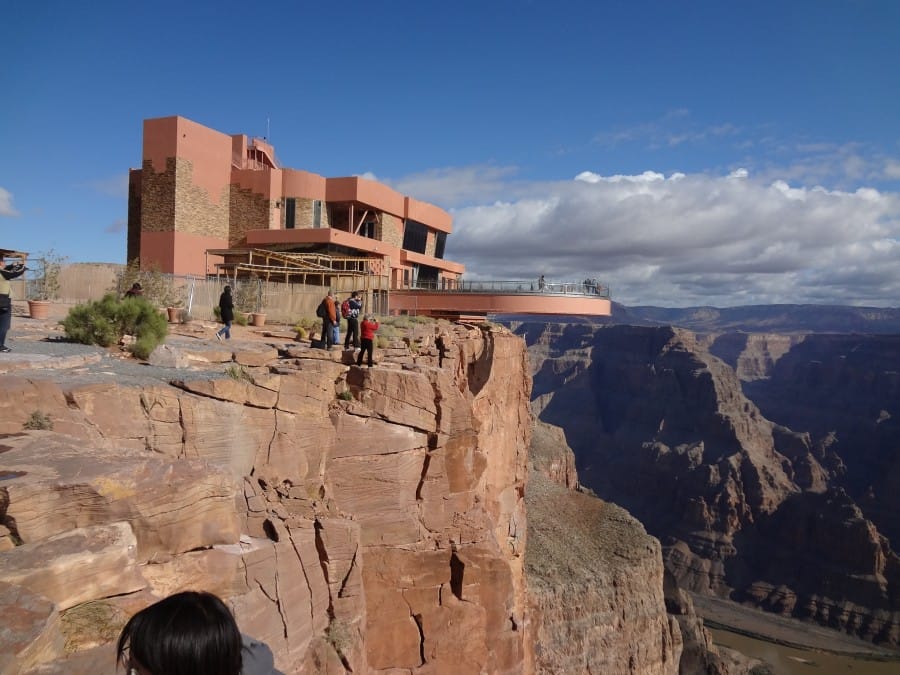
225	330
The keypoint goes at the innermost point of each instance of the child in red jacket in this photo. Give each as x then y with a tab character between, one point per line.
367	333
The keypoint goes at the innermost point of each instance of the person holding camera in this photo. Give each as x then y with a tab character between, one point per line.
7	272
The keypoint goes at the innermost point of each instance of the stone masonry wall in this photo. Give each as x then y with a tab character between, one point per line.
248	210
392	230
196	211
158	198
303	215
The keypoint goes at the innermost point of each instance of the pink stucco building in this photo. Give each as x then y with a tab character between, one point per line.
200	189
204	200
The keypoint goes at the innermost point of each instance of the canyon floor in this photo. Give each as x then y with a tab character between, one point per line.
734	617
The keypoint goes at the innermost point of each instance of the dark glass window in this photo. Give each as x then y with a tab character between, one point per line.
427	277
439	245
415	235
317	213
290	213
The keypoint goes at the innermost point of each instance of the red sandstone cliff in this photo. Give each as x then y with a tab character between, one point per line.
370	520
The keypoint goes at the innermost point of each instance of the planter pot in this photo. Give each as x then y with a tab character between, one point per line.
39	309
258	319
173	313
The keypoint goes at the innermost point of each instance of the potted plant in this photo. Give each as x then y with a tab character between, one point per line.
248	299
45	287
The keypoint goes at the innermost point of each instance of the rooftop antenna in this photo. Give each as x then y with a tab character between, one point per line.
267	129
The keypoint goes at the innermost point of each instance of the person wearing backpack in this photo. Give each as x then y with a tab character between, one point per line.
328	313
350	309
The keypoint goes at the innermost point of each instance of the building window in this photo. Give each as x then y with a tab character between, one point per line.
415	236
317	213
368	229
290	213
439	245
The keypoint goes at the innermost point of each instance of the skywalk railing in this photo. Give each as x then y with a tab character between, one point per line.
528	287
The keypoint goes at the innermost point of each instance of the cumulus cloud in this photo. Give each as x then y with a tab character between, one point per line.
682	239
6	203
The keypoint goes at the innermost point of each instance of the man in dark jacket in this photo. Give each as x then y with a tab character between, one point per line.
226	309
7	272
356	306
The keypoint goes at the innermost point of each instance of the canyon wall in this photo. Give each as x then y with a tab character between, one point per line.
364	520
763	506
356	520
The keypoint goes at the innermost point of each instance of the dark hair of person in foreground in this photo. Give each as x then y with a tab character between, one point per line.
189	633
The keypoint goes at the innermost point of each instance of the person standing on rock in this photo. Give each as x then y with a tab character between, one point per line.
368	328
226	311
355	307
190	633
7	272
328	312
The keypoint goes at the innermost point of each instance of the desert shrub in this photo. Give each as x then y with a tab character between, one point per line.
338	635
38	420
381	342
345	395
239	373
401	322
240	318
104	322
308	324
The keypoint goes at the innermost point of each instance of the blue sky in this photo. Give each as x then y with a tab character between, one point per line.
685	152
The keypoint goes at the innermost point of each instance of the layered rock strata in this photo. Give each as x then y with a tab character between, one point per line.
745	508
364	520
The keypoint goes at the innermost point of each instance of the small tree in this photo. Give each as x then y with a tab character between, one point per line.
158	287
46	285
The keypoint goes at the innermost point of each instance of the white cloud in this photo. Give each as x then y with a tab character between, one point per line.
892	169
6	203
114	186
459	186
684	239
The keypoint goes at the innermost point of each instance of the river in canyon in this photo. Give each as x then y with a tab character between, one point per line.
791	661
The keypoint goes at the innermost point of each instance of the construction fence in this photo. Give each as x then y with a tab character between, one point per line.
281	302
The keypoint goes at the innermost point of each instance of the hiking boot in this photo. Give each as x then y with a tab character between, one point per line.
4	349
218	336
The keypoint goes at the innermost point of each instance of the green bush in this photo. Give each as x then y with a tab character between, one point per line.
240	318
104	322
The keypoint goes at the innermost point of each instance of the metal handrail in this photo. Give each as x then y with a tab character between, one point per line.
526	287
